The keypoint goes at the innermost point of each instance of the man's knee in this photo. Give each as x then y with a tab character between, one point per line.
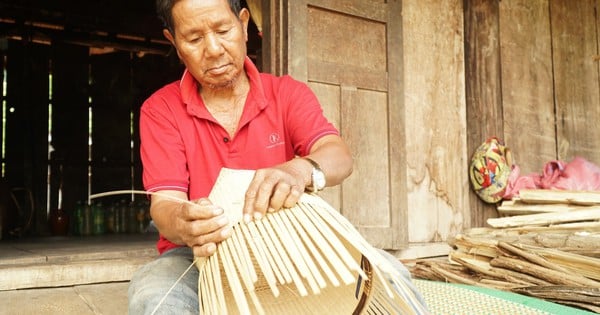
167	284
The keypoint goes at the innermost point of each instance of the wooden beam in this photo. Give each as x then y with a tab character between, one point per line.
483	88
48	35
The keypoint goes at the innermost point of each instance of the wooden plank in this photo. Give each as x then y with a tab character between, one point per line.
330	73
483	88
562	228
527	95
576	77
585	214
330	98
545	196
365	9
515	207
361	71
366	110
397	131
296	48
365	39
72	273
435	111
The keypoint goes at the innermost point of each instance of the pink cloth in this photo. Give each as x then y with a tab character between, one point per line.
579	174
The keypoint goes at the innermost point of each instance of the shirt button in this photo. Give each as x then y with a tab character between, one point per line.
225	139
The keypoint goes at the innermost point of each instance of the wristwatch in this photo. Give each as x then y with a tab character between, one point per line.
317	177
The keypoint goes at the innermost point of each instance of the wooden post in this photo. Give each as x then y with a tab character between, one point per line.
483	88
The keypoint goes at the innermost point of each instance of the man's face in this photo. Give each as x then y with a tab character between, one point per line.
210	41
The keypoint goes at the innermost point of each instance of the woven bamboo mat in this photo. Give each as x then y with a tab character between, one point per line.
449	299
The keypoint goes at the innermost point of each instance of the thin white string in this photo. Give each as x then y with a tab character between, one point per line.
143	192
173	286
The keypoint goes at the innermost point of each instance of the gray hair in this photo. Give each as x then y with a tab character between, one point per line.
164	10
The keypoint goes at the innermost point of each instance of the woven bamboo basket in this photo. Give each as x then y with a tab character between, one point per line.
307	259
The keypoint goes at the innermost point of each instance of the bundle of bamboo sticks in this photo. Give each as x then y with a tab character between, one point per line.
304	260
545	244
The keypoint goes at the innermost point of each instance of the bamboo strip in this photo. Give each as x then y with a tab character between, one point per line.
302	254
268	250
570	293
204	287
474	264
241	248
485	268
589	213
512	207
475	246
325	247
400	301
313	250
532	257
520	278
242	271
234	281
274	250
383	281
547	274
295	247
578	264
229	247
452	277
561	228
349	233
218	284
284	256
261	259
501	285
216	304
559	196
333	240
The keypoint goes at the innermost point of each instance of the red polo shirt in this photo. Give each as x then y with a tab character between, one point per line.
183	147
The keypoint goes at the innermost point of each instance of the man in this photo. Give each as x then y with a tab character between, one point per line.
222	113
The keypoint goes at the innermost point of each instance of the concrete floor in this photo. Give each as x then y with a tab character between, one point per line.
105	298
71	275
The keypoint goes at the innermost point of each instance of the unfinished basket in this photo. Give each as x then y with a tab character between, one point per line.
304	260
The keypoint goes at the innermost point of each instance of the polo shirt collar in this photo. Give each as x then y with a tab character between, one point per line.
255	102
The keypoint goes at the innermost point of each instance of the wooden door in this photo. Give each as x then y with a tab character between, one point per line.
350	53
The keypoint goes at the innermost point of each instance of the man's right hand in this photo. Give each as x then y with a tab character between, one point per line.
198	224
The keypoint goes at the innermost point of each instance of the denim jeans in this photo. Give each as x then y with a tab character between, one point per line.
151	283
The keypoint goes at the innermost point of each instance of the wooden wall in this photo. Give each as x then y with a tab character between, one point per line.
525	71
114	85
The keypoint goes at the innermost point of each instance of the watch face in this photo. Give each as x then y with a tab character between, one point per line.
318	179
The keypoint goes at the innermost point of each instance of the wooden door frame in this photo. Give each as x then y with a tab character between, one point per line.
277	58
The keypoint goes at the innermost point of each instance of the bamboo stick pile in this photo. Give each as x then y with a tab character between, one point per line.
545	244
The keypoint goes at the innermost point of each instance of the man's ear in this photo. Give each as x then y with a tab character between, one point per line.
169	36
245	18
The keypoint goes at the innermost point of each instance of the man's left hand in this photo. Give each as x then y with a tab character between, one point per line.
274	188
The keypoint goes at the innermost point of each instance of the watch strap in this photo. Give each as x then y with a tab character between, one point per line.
316	167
